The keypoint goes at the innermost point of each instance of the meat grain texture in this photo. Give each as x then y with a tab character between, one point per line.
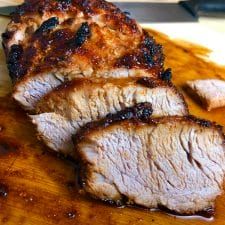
65	110
173	162
80	61
210	92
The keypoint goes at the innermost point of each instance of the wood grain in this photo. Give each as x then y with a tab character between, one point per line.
38	188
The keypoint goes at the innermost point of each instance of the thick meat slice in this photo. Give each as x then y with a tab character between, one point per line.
48	42
92	99
210	92
81	101
172	162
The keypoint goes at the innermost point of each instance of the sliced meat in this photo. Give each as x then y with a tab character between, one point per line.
210	92
49	42
82	101
92	99
55	131
172	162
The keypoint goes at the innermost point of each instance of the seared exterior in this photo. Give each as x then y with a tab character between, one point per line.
63	111
172	162
89	71
48	42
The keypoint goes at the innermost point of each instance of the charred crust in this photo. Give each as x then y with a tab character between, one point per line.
129	61
148	82
68	21
203	122
60	37
16	70
65	2
113	14
47	25
166	75
89	7
5	39
7	35
22	10
83	33
153	83
148	58
59	48
63	43
149	55
142	59
86	7
140	112
148	42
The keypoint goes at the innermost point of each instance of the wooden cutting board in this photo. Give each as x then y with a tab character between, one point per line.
39	188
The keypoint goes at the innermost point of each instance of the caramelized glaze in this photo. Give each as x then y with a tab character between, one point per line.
36	187
39	39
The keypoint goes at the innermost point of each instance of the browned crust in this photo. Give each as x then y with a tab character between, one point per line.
138	113
124	119
88	7
148	55
33	56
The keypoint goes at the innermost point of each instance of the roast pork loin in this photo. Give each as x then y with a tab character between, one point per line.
210	92
173	162
50	42
78	61
63	111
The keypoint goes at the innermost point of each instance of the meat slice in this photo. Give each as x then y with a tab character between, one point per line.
211	92
173	162
50	42
92	99
81	101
